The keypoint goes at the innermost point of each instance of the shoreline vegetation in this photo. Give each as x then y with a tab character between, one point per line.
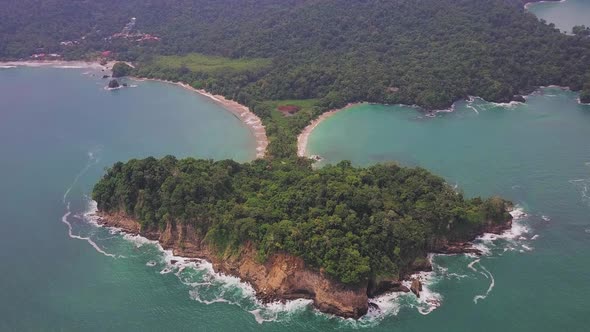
251	120
242	112
303	137
337	235
264	66
358	231
284	277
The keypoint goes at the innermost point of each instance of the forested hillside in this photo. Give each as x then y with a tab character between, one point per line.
425	52
322	54
353	223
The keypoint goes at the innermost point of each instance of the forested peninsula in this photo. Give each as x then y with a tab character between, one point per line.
336	235
339	234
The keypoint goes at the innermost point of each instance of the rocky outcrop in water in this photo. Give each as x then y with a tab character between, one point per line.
416	287
519	98
113	84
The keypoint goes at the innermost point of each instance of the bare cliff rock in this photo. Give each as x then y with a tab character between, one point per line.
281	277
284	277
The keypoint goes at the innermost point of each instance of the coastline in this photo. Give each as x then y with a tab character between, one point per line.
303	137
530	3
59	64
284	277
242	112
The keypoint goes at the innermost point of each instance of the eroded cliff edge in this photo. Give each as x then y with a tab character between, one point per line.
286	277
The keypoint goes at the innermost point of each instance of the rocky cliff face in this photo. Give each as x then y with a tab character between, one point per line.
283	276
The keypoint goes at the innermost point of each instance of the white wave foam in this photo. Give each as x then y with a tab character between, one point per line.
429	300
536	236
490	276
64	219
273	311
151	263
7	67
469	104
511	238
137	240
92	160
582	186
518	213
71	67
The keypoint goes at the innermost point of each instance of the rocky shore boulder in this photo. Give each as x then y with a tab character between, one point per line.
113	84
379	287
519	98
416	287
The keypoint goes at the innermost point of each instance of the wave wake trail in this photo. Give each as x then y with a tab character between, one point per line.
92	160
485	272
64	219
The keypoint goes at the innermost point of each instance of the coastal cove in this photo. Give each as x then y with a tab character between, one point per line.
564	14
533	154
59	129
240	111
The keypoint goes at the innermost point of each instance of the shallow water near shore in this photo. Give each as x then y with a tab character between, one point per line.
564	14
535	154
59	128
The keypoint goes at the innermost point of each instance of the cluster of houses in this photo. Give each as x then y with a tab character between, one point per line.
128	33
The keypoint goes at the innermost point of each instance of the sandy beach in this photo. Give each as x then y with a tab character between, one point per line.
304	135
58	64
242	112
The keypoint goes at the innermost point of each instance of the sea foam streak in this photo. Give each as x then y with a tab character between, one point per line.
582	186
513	240
64	219
92	160
488	275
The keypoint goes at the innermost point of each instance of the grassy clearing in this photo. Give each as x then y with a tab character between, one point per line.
209	64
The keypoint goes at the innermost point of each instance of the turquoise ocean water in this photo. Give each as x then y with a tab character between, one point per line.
56	138
59	128
564	14
535	154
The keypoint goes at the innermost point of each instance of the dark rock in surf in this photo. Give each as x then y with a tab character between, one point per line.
113	84
519	98
416	287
